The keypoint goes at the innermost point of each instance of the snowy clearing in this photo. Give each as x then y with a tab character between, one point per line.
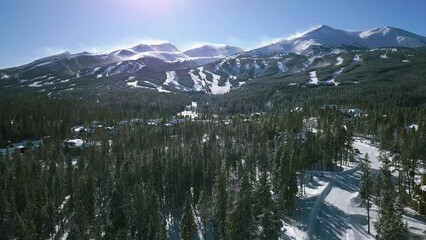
339	61
313	78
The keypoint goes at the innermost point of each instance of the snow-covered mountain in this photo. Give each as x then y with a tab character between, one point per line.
318	57
166	52
330	37
169	53
210	50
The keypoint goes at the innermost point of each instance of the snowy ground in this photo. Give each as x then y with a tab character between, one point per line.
331	208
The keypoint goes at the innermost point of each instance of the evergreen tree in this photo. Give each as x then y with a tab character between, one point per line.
241	217
220	207
366	186
187	224
389	225
205	210
266	211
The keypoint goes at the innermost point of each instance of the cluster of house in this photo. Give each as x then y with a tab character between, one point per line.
93	127
348	112
152	122
21	146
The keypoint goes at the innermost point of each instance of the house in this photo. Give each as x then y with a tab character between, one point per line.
351	112
412	128
329	106
123	122
78	129
154	122
110	130
22	146
27	144
74	143
175	121
7	151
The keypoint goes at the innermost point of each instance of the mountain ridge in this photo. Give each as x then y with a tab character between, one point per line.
327	36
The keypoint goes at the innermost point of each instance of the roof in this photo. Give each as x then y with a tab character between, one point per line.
27	144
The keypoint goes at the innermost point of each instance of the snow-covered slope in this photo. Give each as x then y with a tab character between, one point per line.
391	37
166	52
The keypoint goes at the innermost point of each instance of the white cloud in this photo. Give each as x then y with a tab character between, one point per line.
47	51
268	40
192	45
103	48
299	34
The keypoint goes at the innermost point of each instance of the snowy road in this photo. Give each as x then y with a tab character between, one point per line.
341	216
331	208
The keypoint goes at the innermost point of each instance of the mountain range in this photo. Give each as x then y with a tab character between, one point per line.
213	69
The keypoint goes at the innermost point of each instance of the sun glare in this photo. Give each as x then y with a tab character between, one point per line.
151	7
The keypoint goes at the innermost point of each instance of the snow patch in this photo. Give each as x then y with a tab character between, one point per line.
357	58
282	65
313	78
134	84
339	61
384	56
36	84
4	76
172	79
216	89
199	85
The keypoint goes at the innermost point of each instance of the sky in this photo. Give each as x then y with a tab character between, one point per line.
30	29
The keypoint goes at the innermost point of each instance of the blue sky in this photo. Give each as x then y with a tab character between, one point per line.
35	28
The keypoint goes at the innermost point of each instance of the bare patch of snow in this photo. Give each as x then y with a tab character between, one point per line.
384	56
313	78
4	76
199	85
357	58
134	84
216	89
172	79
36	84
339	61
281	65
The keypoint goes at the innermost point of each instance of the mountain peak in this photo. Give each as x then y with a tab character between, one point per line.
324	27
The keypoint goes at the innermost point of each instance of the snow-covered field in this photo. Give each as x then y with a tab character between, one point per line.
331	208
